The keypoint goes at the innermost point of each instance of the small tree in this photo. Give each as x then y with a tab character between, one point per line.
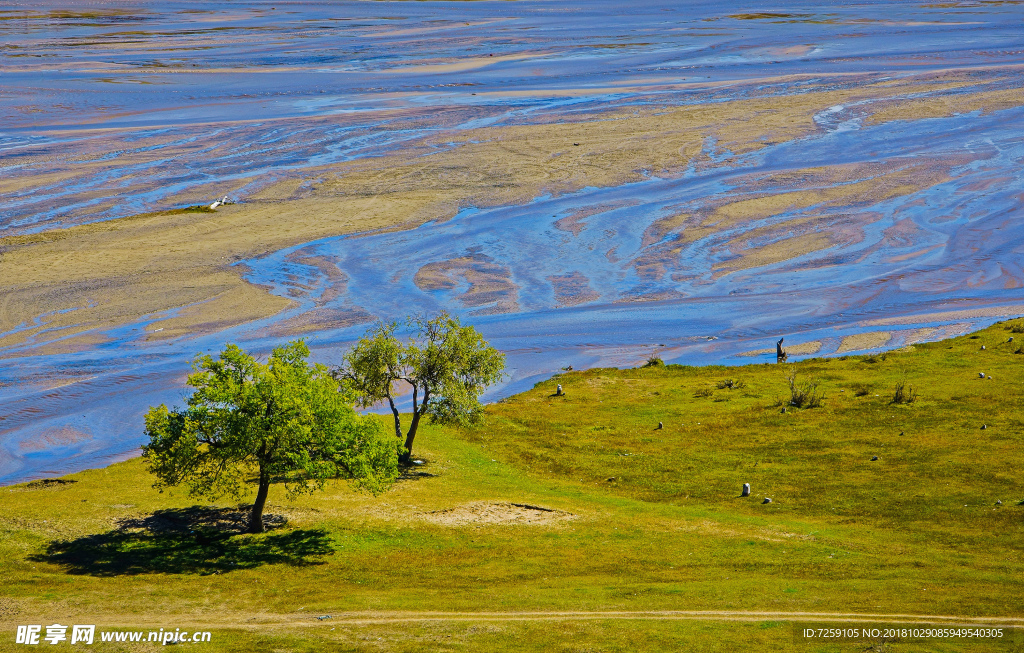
249	422
447	365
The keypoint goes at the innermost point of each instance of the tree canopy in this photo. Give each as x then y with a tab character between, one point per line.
447	365
253	423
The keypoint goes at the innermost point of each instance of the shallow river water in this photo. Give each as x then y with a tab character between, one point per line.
123	108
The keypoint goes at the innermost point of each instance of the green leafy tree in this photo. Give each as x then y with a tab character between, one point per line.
447	366
253	423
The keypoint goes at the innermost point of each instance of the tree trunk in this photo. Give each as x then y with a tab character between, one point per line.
408	455
418	409
256	516
398	418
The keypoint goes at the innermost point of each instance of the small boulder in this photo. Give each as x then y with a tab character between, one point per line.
766	500
558	391
660	426
1010	340
984	426
746	490
874	458
981	375
999	502
983	348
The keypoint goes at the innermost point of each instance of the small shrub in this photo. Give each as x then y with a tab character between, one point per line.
874	358
654	361
703	393
1020	350
804	395
1017	327
861	390
904	393
731	384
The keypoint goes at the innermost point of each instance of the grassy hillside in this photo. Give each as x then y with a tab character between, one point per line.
638	519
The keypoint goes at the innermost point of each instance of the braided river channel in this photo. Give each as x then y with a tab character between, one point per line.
588	184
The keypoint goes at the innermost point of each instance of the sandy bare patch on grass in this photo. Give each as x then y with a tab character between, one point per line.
495	512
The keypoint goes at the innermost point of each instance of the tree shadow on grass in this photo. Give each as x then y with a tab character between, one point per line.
196	540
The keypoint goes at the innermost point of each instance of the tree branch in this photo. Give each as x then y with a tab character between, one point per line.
426	399
213	444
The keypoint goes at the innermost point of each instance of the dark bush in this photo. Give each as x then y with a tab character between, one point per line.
861	390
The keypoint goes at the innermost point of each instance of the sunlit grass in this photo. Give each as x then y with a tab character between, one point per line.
659	523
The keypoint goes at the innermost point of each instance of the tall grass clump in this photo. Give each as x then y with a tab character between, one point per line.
804	395
904	392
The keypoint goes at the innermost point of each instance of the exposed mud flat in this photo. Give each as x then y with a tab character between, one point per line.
588	186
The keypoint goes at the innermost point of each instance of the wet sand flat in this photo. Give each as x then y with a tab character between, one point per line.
587	186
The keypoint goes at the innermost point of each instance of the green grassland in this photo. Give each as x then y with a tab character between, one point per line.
644	520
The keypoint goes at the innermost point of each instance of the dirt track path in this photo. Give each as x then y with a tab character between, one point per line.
302	618
367	618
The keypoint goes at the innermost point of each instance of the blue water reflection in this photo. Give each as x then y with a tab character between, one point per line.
112	110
